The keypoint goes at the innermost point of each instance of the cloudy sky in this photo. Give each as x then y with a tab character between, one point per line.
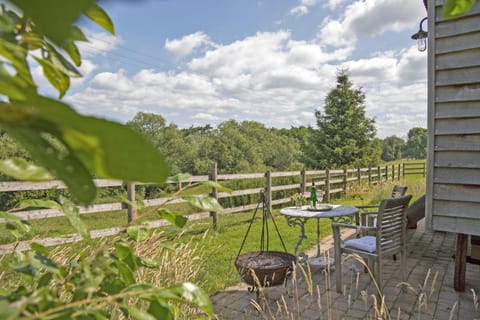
273	61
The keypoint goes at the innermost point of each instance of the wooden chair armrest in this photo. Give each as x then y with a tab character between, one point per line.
367	207
338	225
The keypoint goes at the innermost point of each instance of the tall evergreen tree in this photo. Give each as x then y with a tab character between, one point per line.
345	136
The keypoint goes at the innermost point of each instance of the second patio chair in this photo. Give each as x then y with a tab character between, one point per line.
368	213
386	238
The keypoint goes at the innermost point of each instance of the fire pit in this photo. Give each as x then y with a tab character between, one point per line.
264	268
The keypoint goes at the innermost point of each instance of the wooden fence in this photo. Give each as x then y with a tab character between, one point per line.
332	182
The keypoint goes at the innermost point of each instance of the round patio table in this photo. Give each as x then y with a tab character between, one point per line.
298	216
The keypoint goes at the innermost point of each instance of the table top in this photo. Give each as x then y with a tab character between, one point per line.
303	212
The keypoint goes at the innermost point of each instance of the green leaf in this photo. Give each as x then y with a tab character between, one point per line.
54	18
76	34
60	63
17	55
173	217
137	233
161	309
125	253
100	17
66	167
139	287
125	272
193	294
44	280
37	247
73	52
181	177
139	314
44	262
93	141
73	216
217	186
204	203
21	169
149	263
7	312
455	8
57	79
39	203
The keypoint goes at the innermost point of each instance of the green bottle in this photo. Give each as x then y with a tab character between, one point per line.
313	195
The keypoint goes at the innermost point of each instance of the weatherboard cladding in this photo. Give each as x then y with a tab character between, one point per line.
453	185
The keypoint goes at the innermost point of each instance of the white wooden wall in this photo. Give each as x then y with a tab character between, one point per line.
453	179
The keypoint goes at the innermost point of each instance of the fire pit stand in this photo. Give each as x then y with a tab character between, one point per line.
264	268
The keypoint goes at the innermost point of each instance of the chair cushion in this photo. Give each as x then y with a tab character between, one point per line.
367	243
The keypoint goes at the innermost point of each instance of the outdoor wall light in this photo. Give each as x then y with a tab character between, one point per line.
421	37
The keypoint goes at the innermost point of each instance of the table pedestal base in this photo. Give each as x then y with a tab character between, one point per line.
321	263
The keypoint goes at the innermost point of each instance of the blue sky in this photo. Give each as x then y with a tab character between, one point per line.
273	61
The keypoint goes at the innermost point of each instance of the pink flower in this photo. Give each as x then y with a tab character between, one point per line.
306	194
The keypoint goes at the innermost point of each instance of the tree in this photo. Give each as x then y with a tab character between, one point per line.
345	135
392	148
416	146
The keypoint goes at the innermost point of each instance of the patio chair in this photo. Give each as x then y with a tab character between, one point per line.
386	238
368	214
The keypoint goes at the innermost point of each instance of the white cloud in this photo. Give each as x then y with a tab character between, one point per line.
303	7
332	4
185	45
100	43
369	18
205	116
268	77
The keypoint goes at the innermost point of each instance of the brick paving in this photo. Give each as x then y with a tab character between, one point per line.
428	294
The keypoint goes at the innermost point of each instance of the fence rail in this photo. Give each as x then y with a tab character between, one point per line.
331	181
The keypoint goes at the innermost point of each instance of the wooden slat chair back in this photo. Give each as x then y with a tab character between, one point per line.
399	191
386	238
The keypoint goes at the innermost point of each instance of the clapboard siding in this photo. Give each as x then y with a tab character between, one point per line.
458	76
457	159
450	209
458	43
459	225
457	109
458	126
457	143
467	193
458	59
456	176
448	28
470	92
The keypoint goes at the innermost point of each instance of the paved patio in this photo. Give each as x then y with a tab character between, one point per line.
428	295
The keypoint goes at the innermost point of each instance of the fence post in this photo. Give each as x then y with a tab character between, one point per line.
327	185
386	173
399	172
345	180
303	184
213	177
379	174
359	176
424	169
369	175
268	191
393	172
132	211
403	165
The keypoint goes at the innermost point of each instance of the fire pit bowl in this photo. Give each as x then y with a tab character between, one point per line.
270	267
